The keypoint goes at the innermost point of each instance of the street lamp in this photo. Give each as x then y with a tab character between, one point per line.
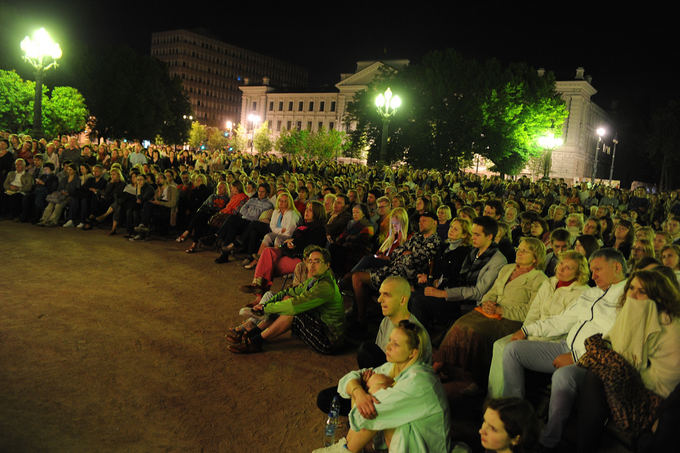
548	142
611	167
601	131
254	119
387	105
42	53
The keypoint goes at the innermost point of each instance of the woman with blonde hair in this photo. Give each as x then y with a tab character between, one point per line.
554	296
469	343
641	248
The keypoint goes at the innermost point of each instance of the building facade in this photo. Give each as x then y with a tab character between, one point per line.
212	71
309	110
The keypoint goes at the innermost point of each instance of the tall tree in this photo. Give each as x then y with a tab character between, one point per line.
262	141
662	143
454	108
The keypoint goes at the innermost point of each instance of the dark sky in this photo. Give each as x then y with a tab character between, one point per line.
625	50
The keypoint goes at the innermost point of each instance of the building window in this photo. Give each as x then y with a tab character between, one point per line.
288	124
331	126
320	125
311	106
278	126
309	125
322	106
280	106
271	106
300	105
254	106
332	106
299	125
290	107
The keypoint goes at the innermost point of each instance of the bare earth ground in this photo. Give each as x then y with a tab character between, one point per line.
108	345
111	345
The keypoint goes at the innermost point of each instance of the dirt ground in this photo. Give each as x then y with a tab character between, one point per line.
112	345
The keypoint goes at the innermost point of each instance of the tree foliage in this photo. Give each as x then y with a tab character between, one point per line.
63	108
131	95
198	135
325	144
262	141
453	108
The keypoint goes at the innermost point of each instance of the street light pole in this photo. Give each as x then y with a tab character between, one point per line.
548	142
387	105
600	132
611	168
42	53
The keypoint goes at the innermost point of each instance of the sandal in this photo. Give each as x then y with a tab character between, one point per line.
181	238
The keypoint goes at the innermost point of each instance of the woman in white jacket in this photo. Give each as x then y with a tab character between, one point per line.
282	224
553	297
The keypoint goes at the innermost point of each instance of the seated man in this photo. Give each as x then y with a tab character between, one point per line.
407	260
594	312
477	274
17	185
559	242
394	295
312	310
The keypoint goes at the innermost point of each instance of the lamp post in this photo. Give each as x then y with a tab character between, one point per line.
611	167
254	120
387	105
548	142
600	133
42	53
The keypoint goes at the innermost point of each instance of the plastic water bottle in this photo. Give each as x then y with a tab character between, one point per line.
332	430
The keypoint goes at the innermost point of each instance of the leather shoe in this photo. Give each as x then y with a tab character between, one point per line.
248	346
223	258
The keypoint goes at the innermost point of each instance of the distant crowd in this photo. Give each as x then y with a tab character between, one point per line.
477	278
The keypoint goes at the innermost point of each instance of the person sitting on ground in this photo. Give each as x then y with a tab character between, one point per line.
510	426
468	345
594	312
478	272
313	311
554	296
413	415
198	226
394	295
283	222
283	260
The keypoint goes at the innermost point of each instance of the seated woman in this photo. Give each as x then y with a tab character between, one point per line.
354	242
642	248
78	199
447	263
444	216
160	210
469	342
510	426
398	234
57	200
283	222
586	245
413	414
646	335
112	195
623	237
554	296
283	260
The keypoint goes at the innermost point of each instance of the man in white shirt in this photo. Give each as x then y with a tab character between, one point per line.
594	312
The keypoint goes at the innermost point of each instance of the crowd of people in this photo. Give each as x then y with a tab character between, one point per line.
456	277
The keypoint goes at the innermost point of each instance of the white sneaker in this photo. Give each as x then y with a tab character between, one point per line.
68	224
80	225
338	447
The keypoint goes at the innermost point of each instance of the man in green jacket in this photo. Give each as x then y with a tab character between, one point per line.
313	311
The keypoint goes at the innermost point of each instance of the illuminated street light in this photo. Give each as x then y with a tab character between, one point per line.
601	131
42	53
254	119
548	142
387	105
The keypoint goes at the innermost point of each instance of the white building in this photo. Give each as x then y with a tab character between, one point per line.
284	109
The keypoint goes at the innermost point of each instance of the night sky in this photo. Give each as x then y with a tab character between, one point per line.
628	52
